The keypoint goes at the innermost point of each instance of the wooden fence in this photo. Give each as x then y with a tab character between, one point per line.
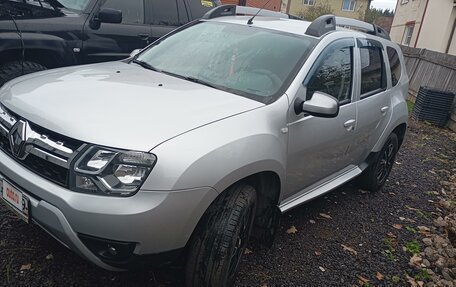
431	69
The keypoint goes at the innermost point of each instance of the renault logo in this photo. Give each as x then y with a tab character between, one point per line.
18	137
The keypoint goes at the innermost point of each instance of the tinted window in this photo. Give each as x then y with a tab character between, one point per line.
165	12
372	67
183	16
132	10
74	4
395	65
199	7
333	72
249	61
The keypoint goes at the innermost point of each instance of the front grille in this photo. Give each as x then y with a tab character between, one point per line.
46	169
45	153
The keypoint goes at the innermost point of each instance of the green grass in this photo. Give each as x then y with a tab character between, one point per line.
410	106
390	250
413	247
411	229
396	279
423	214
423	275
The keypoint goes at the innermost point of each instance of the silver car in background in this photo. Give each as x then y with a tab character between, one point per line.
203	138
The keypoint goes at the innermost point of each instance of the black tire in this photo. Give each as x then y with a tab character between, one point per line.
220	239
15	69
375	176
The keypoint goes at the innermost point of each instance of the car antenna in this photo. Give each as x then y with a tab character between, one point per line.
250	22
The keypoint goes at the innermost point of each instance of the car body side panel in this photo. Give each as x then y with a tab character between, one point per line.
59	35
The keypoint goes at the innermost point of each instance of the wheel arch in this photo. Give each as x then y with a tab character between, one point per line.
47	50
400	131
267	184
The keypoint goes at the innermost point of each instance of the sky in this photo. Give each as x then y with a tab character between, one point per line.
384	4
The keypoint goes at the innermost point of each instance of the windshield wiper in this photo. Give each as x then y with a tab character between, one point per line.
192	79
198	81
146	65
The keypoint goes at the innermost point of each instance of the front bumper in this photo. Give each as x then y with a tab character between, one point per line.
155	221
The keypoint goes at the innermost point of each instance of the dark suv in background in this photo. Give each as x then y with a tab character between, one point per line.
42	34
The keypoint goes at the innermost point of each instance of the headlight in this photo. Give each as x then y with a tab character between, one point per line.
111	172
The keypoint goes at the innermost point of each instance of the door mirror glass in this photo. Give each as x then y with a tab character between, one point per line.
134	52
109	15
321	105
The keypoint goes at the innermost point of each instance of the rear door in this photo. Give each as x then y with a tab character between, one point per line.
165	16
374	105
110	42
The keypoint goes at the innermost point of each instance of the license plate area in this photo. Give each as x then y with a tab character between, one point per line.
16	200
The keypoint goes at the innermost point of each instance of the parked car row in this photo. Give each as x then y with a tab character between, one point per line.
202	139
38	35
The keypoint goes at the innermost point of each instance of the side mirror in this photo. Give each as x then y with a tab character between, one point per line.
321	105
108	15
134	52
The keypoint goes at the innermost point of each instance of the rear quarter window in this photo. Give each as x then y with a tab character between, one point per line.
395	65
373	75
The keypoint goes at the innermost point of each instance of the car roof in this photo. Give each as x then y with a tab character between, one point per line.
318	28
293	26
298	27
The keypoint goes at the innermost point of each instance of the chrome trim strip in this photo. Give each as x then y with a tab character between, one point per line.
38	144
49	157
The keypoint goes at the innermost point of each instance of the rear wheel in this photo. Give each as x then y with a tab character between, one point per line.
15	69
220	239
375	176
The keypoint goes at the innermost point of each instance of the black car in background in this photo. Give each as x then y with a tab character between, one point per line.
43	34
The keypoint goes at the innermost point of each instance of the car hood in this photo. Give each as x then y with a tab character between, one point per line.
118	105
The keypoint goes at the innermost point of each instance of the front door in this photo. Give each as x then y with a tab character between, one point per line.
319	147
109	42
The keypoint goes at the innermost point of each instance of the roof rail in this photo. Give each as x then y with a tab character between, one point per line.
327	23
322	25
232	10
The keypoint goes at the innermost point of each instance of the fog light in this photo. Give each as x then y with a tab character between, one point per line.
112	252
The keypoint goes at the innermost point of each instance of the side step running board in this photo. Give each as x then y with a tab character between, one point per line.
312	192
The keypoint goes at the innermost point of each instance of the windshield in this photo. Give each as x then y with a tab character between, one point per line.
78	5
252	62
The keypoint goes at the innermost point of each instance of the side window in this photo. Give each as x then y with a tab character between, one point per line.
183	16
199	7
395	65
165	12
373	77
332	73
132	10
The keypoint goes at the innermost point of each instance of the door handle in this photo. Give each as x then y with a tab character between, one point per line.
350	125
384	109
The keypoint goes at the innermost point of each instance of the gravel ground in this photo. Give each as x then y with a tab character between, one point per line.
349	237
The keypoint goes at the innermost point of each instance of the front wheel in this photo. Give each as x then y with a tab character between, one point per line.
375	176
221	237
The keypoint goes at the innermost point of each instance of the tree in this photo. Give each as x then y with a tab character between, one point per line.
373	13
313	12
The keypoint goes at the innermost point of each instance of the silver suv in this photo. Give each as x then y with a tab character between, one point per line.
202	138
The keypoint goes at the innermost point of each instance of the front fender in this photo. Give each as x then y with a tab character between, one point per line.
222	153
